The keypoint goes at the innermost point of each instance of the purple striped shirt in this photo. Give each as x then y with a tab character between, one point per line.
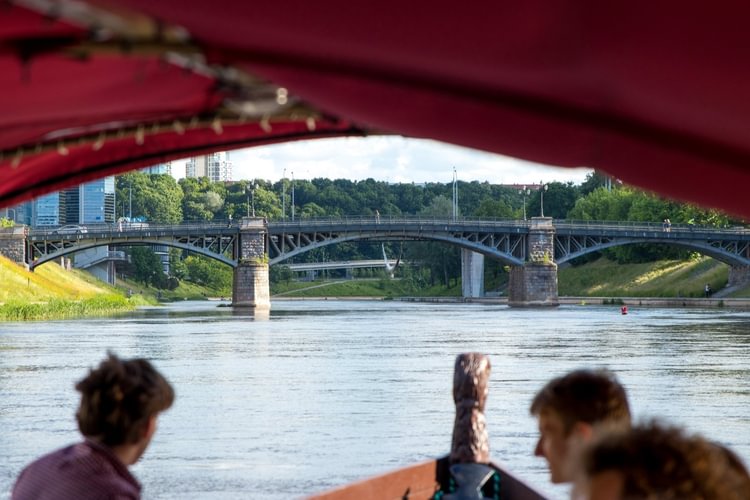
85	471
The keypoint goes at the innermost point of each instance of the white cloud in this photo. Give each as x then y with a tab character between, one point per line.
387	158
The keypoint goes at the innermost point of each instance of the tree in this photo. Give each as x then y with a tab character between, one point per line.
279	273
212	201
443	260
594	180
559	199
177	267
312	210
155	197
494	208
202	198
209	272
148	268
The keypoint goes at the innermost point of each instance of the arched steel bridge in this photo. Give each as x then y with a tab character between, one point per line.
501	239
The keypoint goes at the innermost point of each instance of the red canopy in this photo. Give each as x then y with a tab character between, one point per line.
655	94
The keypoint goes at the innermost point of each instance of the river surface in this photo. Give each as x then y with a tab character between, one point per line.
321	393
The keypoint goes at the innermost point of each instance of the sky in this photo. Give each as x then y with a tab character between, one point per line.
392	159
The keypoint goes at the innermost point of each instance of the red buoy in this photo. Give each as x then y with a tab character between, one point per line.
624	309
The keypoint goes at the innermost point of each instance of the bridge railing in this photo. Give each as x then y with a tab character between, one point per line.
133	227
401	219
644	225
359	220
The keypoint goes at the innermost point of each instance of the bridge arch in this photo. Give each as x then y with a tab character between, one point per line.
131	243
705	248
475	246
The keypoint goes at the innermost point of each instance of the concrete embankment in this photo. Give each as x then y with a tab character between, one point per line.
620	301
660	302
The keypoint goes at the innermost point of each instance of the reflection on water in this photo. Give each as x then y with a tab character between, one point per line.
318	393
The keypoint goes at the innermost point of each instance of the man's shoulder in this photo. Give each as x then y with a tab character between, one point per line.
75	471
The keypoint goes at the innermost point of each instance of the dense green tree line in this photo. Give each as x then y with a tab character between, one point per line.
161	199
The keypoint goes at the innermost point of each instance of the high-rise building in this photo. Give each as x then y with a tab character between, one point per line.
196	167
45	210
90	203
159	168
216	166
20	214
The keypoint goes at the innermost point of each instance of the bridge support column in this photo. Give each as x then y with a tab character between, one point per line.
251	287
13	243
535	283
472	273
739	275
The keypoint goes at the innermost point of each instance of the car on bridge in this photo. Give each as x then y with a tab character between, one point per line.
71	229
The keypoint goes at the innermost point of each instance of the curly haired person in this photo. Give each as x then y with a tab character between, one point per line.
120	403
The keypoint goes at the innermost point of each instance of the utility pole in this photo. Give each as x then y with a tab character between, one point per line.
283	195
455	194
247	192
130	201
292	196
524	192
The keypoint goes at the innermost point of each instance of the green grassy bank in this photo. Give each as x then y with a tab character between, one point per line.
51	292
667	278
601	278
383	287
55	293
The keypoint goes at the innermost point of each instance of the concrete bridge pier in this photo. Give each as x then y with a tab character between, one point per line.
13	244
738	276
472	274
535	283
251	286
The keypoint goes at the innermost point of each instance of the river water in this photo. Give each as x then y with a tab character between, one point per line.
321	393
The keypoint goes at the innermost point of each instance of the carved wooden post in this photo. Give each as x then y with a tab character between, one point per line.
470	388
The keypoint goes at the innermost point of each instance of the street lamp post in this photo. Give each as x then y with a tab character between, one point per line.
542	190
255	186
283	195
455	194
292	196
524	191
247	193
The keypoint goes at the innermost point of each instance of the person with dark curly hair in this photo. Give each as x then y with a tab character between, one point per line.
571	410
120	403
659	461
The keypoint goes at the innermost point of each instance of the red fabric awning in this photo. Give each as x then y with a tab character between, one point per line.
655	94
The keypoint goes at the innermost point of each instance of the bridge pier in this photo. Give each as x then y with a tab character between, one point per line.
738	275
251	286
13	244
535	283
472	274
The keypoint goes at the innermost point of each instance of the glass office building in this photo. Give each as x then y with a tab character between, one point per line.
45	210
90	203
